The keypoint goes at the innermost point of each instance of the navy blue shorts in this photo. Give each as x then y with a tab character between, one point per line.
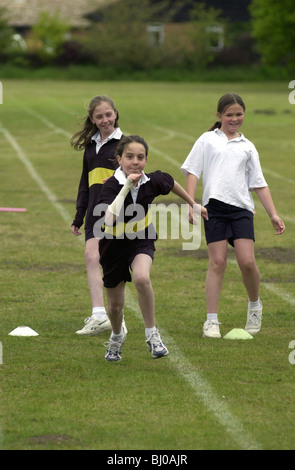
227	222
116	259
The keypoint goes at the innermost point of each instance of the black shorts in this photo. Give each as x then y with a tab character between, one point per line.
116	260
227	222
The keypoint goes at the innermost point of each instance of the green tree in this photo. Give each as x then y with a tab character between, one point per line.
204	24
273	25
5	32
120	37
49	33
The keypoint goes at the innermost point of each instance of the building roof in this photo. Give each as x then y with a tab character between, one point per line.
79	13
26	12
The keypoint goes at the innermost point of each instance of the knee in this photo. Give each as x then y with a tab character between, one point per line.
115	307
248	265
218	265
91	256
141	280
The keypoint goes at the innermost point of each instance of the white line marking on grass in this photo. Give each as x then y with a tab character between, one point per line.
202	389
289	299
57	130
199	385
276	175
36	177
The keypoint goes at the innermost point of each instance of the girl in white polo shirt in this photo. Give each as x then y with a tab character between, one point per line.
231	169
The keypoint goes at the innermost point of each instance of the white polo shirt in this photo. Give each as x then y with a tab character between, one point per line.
230	168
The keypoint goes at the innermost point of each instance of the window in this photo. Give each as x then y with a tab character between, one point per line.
215	38
155	34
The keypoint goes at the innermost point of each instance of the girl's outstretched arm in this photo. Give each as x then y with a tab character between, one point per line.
179	191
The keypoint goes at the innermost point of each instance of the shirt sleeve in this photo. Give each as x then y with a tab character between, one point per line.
82	197
255	175
162	182
194	162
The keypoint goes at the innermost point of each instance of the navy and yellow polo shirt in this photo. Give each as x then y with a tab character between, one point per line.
97	167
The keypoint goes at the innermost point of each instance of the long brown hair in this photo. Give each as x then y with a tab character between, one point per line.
81	139
225	101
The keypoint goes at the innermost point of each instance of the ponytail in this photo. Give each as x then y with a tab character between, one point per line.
217	125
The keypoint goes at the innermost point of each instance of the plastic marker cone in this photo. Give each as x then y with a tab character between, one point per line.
23	331
238	333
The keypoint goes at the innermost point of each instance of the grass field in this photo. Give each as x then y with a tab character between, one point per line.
57	391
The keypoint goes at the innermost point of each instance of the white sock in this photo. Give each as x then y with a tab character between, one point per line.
99	313
212	316
117	337
149	331
255	304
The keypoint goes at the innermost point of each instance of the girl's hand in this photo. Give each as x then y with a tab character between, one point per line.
75	231
278	224
194	213
204	213
135	177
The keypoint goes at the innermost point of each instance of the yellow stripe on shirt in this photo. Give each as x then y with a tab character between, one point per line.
131	227
98	175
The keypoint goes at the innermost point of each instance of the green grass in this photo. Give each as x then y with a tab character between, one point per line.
57	391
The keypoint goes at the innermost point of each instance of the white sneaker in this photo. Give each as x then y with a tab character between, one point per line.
211	329
254	319
124	327
114	348
155	345
94	327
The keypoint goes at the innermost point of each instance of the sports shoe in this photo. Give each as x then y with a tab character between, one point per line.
94	327
211	329
155	345
114	348
254	318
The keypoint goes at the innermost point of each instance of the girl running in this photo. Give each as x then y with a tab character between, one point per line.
130	245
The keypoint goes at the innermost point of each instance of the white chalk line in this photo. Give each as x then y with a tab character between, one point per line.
289	299
202	389
199	385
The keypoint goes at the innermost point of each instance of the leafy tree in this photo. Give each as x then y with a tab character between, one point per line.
204	20
273	25
120	37
49	34
5	31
